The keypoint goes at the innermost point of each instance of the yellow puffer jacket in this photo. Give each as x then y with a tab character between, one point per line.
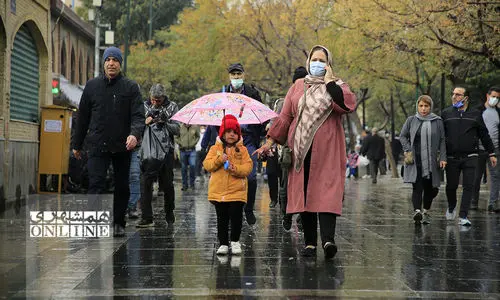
226	185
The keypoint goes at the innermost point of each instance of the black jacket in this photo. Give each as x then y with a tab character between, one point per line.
161	118
373	147
109	111
463	129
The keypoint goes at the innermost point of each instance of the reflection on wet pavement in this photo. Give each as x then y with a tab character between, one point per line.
381	253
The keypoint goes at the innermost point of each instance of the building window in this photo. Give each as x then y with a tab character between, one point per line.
63	60
73	66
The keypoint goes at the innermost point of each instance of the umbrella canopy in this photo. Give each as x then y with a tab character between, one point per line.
211	108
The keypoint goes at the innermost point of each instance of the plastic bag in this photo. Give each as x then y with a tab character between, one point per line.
363	161
153	152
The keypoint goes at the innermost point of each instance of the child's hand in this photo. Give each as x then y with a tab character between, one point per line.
224	157
232	168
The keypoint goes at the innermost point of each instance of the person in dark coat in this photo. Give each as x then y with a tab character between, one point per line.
422	138
463	126
374	148
111	121
159	109
396	148
252	134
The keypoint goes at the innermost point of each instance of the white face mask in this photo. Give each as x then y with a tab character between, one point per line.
237	83
493	101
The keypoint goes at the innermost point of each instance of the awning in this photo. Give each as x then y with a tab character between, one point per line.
70	92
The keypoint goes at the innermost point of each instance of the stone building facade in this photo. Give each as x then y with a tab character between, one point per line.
37	38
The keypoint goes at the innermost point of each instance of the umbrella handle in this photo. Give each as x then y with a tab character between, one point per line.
241	110
224	118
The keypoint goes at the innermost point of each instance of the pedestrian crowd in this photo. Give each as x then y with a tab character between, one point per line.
304	150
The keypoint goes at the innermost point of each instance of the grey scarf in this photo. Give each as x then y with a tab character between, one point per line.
425	142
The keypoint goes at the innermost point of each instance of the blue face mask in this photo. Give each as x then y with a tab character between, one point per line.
237	83
317	68
459	104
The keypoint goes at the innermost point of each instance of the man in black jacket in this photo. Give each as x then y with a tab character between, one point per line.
111	120
464	126
252	134
374	148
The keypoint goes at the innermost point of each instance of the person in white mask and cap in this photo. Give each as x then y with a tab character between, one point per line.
491	117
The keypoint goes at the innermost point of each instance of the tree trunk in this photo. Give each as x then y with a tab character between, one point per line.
392	162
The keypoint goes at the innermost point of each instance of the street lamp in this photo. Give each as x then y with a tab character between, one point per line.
109	35
97	4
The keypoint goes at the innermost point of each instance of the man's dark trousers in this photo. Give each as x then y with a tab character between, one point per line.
467	165
374	164
98	164
166	174
481	167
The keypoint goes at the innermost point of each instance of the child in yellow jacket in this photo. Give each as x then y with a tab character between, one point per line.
229	163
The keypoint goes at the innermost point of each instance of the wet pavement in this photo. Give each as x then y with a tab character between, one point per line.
382	254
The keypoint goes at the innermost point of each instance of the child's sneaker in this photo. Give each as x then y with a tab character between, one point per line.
223	250
236	248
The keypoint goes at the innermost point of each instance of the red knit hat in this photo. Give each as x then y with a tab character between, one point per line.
229	122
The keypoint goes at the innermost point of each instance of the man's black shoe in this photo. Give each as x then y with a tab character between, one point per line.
308	251
170	217
184	188
330	250
491	209
287	222
250	217
145	224
273	204
119	231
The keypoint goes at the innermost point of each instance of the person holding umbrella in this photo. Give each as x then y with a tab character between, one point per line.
229	163
252	134
311	121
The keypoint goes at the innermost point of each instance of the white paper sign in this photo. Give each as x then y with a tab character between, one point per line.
53	126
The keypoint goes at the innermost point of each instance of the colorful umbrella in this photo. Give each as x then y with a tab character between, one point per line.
211	108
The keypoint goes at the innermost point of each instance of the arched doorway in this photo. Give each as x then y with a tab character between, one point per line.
3	54
24	77
73	66
53	56
81	76
63	60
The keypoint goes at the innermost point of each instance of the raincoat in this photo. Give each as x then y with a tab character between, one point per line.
224	185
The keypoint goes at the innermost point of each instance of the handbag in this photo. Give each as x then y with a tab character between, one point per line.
409	158
285	157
